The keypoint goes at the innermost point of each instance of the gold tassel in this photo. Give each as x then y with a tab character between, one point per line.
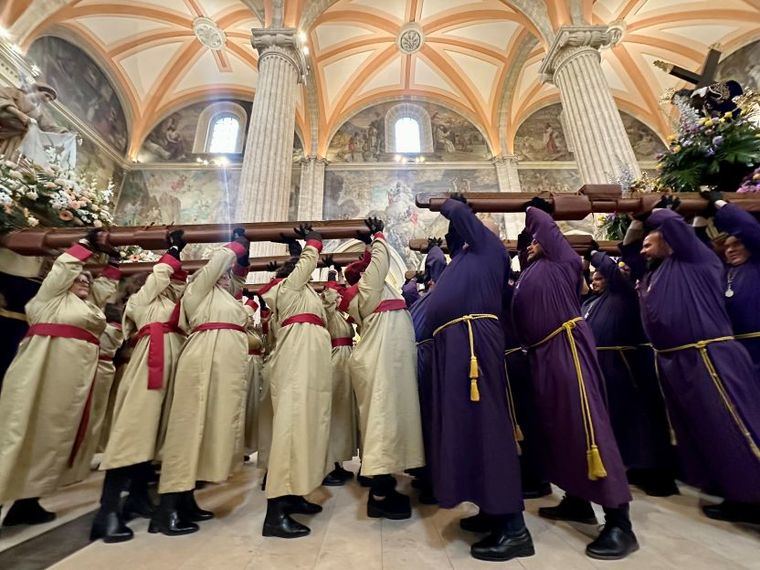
518	433
474	392
673	440
596	468
519	449
474	367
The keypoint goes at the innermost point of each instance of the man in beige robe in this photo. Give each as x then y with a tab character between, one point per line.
343	428
206	418
45	402
255	364
300	378
384	376
151	322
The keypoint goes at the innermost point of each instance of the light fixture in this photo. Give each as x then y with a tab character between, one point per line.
305	50
302	37
397	158
4	34
222	161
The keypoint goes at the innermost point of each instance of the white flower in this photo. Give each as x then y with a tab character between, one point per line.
32	221
97	224
50	184
5	199
32	195
16	174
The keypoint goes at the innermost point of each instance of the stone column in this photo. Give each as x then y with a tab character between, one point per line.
310	200
267	165
602	148
506	172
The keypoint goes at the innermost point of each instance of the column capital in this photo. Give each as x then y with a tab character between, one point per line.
315	159
281	43
574	40
505	159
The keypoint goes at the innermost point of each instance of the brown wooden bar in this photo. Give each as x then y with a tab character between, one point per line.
251	288
40	241
580	243
257	263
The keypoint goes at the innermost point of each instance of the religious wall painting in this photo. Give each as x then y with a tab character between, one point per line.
390	195
541	137
549	179
178	197
93	162
363	137
743	66
82	88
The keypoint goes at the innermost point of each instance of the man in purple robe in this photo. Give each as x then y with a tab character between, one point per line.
708	378
581	454
409	290
472	450
629	386
742	272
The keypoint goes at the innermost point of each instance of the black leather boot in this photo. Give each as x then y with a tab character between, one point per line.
109	523
537	491
480	523
278	522
655	483
393	505
570	509
733	512
189	509
297	505
616	540
333	479
502	545
344	474
167	519
27	511
138	503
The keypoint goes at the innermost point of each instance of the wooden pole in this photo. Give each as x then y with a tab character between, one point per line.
580	243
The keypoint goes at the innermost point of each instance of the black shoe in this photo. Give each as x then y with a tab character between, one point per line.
659	488
733	512
541	490
332	479
278	522
480	523
500	547
570	509
296	505
613	543
344	474
167	518
27	511
136	506
109	526
364	481
190	511
393	506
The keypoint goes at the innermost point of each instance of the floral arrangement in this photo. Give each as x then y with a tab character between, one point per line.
32	195
613	226
133	253
711	151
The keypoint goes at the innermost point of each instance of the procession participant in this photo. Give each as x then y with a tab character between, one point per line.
435	263
150	322
384	377
110	341
265	412
410	289
45	402
206	417
742	272
614	317
473	452
343	426
580	450
708	378
255	364
300	381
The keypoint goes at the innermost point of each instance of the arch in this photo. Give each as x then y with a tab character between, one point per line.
208	119
408	111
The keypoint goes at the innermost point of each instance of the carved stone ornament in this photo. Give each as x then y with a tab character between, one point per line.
572	40
410	38
208	33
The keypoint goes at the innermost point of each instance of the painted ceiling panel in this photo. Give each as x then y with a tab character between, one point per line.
145	67
496	34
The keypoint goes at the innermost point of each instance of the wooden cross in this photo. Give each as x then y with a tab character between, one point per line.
706	75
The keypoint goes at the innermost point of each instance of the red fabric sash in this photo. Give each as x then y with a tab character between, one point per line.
156	331
255	352
390	305
342	341
62	331
309	318
105	358
219	326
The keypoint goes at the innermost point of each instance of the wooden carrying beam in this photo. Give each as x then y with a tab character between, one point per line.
251	288
591	198
580	243
40	241
257	263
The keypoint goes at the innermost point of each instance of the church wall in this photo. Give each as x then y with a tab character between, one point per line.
743	66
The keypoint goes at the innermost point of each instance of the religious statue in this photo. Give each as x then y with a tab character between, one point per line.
20	108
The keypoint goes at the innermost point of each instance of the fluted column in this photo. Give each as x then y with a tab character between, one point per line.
506	172
267	165
311	197
602	148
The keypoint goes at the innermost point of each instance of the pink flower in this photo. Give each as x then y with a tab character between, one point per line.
65	215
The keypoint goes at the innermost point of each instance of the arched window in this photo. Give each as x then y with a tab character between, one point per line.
407	131
224	134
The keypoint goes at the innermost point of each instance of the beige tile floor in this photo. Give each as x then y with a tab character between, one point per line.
671	532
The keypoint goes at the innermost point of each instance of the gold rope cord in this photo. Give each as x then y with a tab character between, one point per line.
13	315
596	469
621	351
746	336
516	430
701	346
474	374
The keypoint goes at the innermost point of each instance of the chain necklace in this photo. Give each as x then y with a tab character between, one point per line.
730	278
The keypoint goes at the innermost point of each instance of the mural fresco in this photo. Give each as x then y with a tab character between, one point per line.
178	196
743	66
549	180
541	137
390	195
93	162
82	87
362	137
172	139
